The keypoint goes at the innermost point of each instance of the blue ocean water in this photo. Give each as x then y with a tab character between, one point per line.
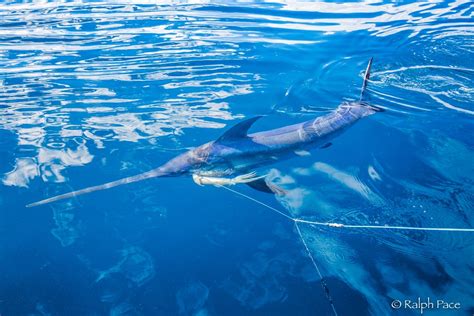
93	92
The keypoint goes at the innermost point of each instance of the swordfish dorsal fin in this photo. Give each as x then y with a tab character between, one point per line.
239	130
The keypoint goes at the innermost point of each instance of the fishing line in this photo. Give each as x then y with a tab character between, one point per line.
323	280
337	225
256	201
340	225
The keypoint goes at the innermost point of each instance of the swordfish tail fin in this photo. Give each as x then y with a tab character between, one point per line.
143	176
364	86
366	79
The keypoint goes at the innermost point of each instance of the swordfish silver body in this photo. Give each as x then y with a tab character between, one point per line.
234	156
245	152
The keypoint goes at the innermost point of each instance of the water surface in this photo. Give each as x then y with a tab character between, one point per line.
93	92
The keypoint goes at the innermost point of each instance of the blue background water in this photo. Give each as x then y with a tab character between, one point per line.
90	93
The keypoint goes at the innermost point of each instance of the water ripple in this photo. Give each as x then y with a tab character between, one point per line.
95	90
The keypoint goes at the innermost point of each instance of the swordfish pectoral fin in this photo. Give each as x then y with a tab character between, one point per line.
147	175
263	186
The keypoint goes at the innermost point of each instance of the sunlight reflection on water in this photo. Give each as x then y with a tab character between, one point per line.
91	92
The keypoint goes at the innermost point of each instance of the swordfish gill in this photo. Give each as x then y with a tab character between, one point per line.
233	157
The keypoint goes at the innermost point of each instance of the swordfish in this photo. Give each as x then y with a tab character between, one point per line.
234	157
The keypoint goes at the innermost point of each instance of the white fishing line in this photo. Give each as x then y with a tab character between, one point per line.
323	281
256	201
338	225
